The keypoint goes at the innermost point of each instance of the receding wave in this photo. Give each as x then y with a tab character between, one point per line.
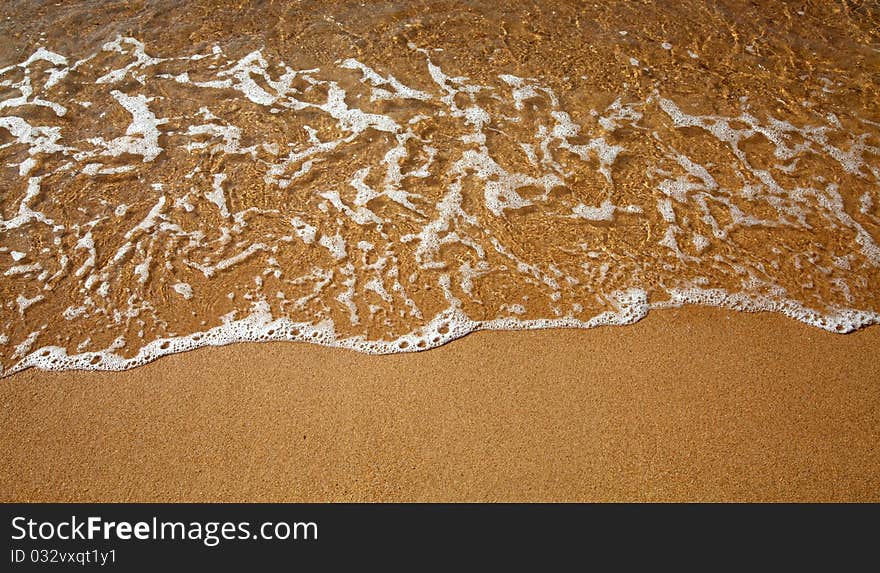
157	203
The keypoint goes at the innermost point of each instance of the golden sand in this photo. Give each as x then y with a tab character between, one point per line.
389	176
685	405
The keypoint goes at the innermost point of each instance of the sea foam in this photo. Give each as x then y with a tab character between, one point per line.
220	199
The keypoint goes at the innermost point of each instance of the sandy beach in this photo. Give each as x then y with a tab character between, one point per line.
394	175
693	404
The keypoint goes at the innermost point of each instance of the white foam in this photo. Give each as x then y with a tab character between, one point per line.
217	196
304	231
866	203
335	245
144	123
604	212
260	325
24	302
837	320
25	214
451	242
184	290
370	75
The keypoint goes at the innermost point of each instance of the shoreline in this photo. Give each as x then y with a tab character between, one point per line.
693	404
262	328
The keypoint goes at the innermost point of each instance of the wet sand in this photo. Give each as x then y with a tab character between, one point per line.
402	170
693	404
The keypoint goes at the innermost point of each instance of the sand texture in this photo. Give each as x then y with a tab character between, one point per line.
695	404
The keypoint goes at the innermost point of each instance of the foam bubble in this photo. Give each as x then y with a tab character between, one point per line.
413	213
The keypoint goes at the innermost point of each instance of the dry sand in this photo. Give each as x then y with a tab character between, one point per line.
699	404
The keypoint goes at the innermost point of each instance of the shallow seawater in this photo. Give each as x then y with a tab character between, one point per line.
388	176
